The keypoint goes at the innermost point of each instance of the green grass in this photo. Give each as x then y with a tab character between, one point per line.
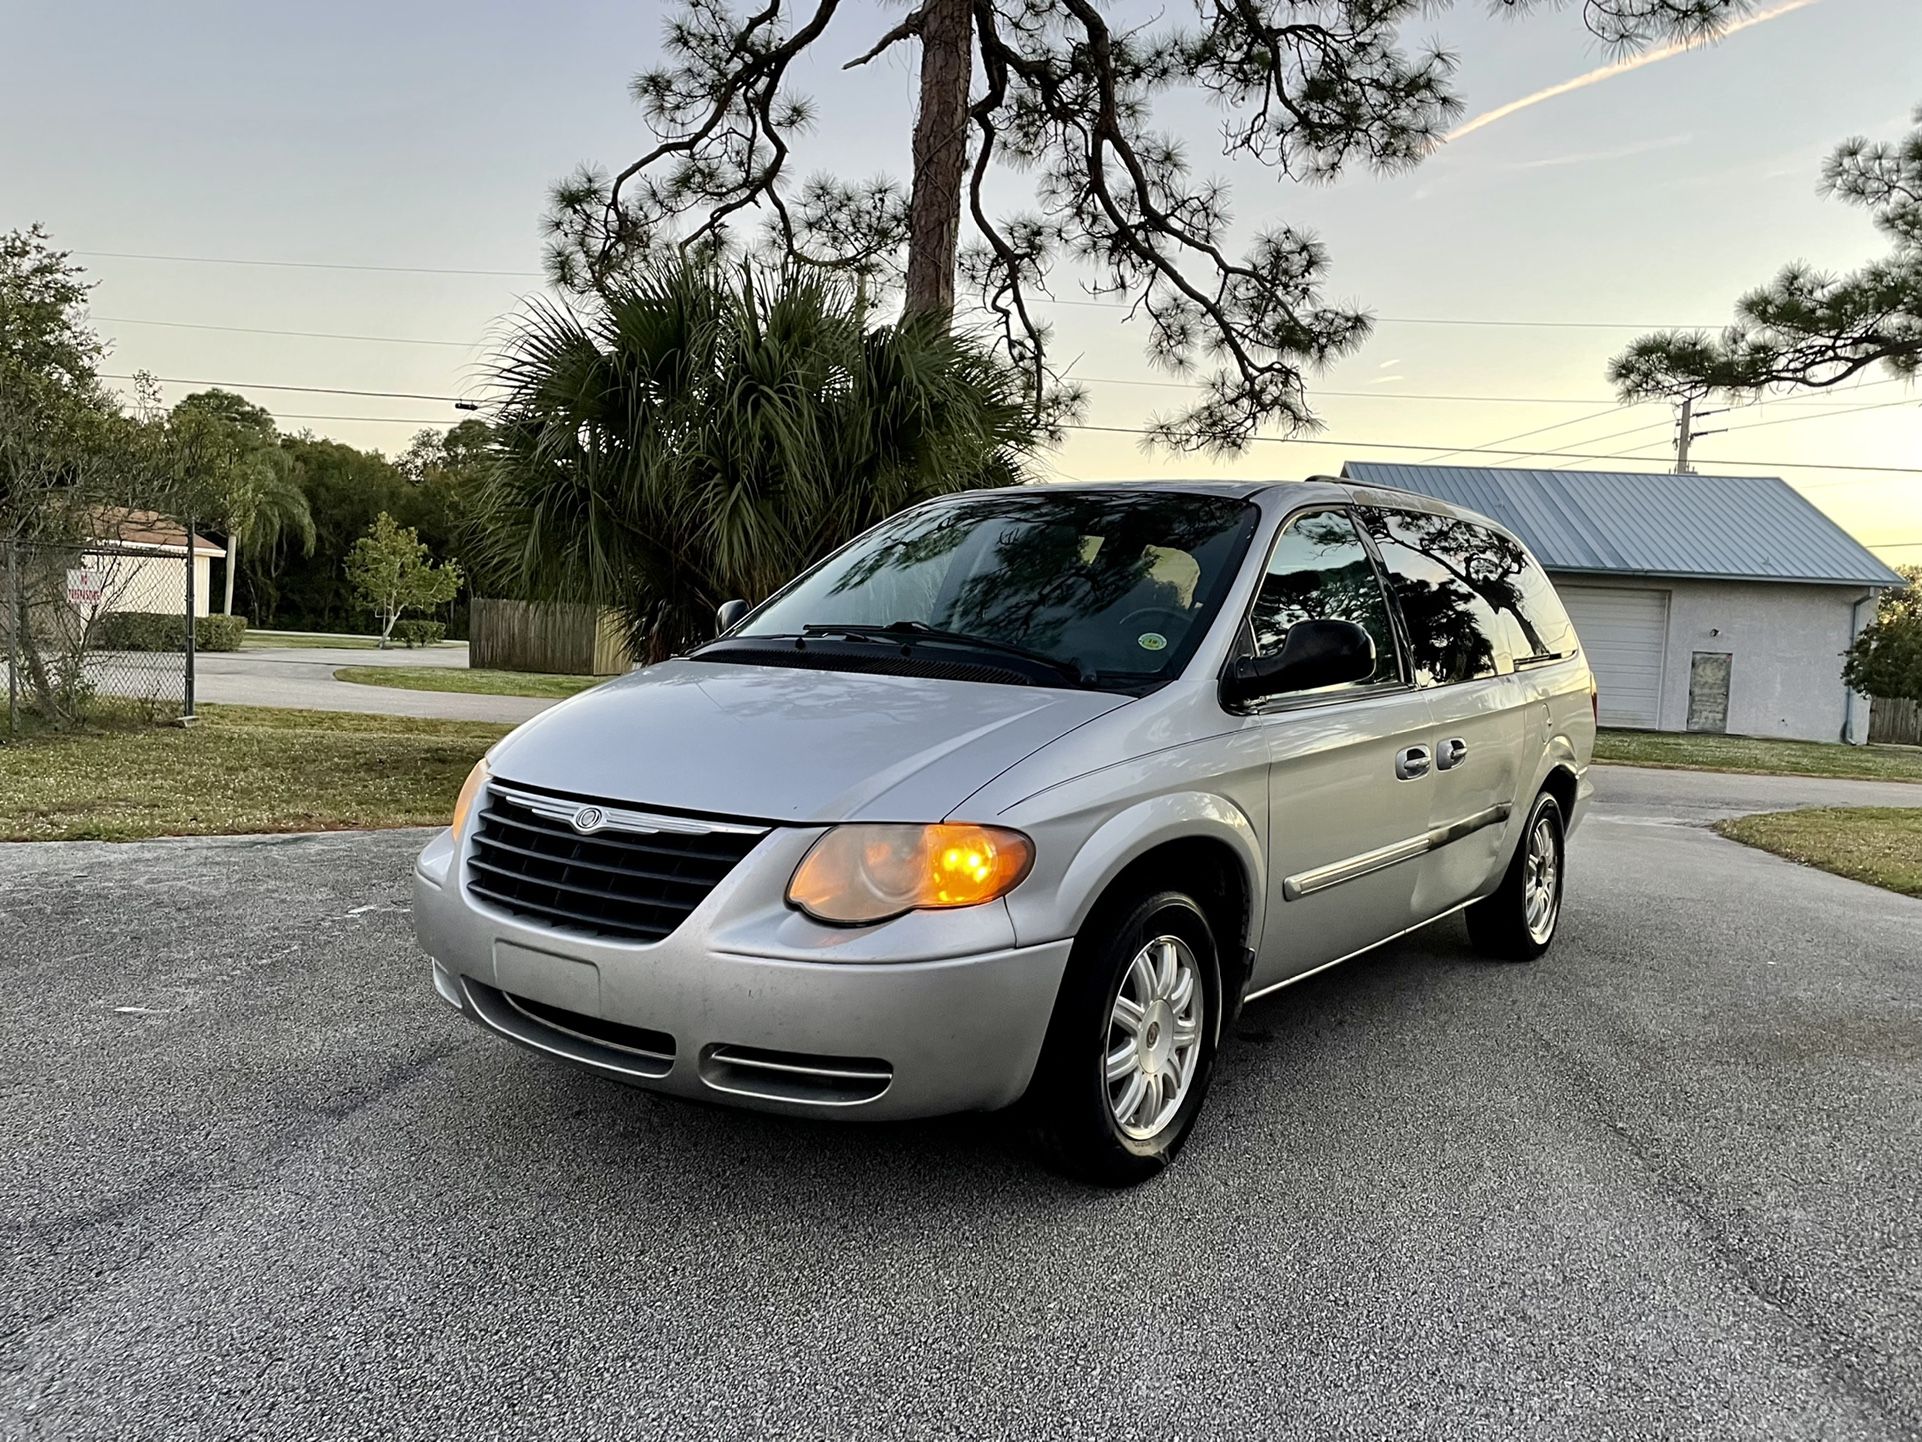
276	640
1757	756
1879	845
240	769
452	678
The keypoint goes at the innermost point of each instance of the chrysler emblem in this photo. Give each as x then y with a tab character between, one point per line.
589	818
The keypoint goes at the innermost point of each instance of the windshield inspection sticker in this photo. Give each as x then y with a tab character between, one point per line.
1152	641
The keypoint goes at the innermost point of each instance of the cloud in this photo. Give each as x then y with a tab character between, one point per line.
1584	157
1388	365
1610	71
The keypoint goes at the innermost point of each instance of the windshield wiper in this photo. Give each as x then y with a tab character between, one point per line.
908	632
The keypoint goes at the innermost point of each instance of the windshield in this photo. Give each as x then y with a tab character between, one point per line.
1120	584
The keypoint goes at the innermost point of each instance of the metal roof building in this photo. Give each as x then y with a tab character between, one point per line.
1641	524
1706	603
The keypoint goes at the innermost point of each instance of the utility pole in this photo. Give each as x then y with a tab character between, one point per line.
1686	432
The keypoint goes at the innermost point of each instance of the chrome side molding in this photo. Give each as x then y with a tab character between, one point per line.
1306	883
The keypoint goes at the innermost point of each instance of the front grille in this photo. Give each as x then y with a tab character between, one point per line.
635	880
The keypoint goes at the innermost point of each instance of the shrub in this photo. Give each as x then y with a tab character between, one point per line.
419	633
219	633
158	631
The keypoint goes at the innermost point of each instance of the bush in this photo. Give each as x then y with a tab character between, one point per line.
219	633
158	631
419	633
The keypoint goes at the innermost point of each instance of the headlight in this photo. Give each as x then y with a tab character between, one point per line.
860	874
469	789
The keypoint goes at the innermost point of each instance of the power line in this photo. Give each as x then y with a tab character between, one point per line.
263	386
1452	320
1490	451
1612	455
1089	303
1094	380
1123	430
425	341
1823	400
1827	415
304	334
377	420
1597	440
1377	395
1524	435
300	264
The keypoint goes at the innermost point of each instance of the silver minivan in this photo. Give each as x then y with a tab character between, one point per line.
1017	798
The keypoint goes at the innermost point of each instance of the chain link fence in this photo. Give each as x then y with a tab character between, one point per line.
96	634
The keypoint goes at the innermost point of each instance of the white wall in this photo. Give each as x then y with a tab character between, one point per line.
141	582
1786	641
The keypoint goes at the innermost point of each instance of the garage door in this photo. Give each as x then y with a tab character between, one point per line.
1625	633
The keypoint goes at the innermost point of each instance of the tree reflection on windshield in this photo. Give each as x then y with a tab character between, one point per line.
1122	581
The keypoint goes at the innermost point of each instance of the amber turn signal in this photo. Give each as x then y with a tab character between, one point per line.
469	789
856	875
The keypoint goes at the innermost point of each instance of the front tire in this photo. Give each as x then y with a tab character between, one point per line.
1518	922
1131	1047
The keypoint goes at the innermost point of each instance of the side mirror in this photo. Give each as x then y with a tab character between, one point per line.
728	615
1315	654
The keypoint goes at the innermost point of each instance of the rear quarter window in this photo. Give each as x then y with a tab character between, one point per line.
1476	603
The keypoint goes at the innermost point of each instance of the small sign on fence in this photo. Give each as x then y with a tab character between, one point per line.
85	586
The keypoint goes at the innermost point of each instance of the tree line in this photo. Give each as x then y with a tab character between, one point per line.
78	465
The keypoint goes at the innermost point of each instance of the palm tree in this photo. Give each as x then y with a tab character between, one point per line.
704	433
231	470
265	505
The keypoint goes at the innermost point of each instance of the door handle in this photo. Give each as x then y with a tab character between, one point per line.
1411	763
1453	753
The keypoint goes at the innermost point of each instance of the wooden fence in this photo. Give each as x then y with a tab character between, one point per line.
532	636
1897	723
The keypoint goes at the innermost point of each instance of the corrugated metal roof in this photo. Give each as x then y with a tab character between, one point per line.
1650	524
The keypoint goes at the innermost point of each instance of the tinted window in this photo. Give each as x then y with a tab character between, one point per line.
1441	568
1547	633
1125	582
1320	570
1529	622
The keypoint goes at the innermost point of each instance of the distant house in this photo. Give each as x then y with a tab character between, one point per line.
137	564
1705	603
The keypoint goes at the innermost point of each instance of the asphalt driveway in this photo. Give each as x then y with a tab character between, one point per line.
258	1182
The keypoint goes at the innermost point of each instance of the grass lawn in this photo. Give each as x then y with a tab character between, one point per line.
275	640
242	768
453	678
1881	845
1757	756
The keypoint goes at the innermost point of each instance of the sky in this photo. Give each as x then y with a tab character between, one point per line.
1580	201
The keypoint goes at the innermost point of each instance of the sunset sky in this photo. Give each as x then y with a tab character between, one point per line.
1603	197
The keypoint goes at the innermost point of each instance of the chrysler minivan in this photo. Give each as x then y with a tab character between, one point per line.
1018	798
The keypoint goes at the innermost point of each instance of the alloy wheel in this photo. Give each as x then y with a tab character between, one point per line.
1154	1037
1541	880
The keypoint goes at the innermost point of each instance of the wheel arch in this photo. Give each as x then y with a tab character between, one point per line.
1194	842
1563	784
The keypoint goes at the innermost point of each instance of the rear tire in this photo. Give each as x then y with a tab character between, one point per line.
1131	1046
1519	921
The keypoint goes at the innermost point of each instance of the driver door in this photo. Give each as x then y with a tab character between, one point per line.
1347	786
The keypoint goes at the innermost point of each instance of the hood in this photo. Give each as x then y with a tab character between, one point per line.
776	744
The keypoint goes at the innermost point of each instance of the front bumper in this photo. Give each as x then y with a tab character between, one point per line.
701	1014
